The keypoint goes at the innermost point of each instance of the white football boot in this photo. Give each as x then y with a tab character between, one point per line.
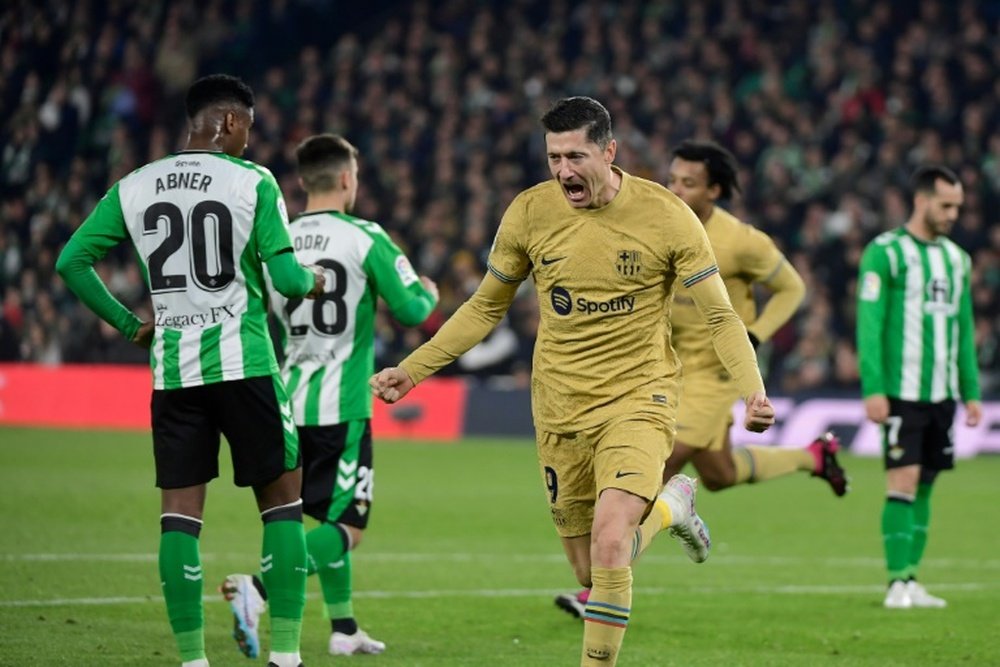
685	524
898	596
356	644
921	598
247	605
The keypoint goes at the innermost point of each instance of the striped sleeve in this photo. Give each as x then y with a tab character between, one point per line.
700	275
691	254
508	261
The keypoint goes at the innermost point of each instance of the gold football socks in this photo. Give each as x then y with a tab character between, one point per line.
606	616
758	464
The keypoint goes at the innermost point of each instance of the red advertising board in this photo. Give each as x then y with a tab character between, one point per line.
117	397
75	396
434	410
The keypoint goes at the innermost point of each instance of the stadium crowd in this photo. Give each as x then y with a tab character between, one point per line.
827	105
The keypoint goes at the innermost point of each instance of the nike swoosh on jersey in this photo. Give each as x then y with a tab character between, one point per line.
546	261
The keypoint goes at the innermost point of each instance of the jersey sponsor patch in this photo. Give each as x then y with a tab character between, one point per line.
871	286
405	270
282	210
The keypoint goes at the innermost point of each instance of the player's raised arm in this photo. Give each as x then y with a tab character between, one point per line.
470	324
103	229
508	266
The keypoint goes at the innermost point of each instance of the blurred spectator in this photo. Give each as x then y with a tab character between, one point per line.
827	105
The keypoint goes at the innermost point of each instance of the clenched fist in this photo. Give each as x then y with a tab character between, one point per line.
759	413
390	384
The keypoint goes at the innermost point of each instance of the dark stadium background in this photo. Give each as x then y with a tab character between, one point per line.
827	105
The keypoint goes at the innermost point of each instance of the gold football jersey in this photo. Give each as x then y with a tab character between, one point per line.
745	255
604	278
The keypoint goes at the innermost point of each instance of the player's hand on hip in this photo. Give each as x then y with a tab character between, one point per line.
877	408
973	413
390	384
759	413
320	285
431	287
143	336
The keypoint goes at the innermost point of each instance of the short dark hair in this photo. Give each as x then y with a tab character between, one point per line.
320	158
217	89
719	163
577	113
925	178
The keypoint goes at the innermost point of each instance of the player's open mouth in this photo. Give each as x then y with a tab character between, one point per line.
575	192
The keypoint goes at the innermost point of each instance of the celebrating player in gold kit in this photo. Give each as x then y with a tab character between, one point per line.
604	250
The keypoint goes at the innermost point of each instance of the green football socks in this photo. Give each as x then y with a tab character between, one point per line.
181	579
897	534
921	518
283	571
329	553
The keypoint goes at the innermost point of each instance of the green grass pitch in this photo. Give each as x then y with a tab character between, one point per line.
460	565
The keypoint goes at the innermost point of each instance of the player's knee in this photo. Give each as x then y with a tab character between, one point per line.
355	534
284	490
903	480
902	486
606	549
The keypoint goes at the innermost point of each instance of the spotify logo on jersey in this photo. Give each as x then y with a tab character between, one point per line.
562	302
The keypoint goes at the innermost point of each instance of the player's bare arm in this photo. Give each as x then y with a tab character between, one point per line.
470	324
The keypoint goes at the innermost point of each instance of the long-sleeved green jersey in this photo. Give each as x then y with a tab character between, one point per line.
914	325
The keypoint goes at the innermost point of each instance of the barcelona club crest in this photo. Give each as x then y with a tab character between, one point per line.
628	262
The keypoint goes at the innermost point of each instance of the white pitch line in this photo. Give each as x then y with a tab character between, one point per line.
792	589
386	557
85	557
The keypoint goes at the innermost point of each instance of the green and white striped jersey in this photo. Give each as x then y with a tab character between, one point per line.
915	325
202	223
329	341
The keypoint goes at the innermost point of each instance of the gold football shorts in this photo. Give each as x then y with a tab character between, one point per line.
625	453
705	413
